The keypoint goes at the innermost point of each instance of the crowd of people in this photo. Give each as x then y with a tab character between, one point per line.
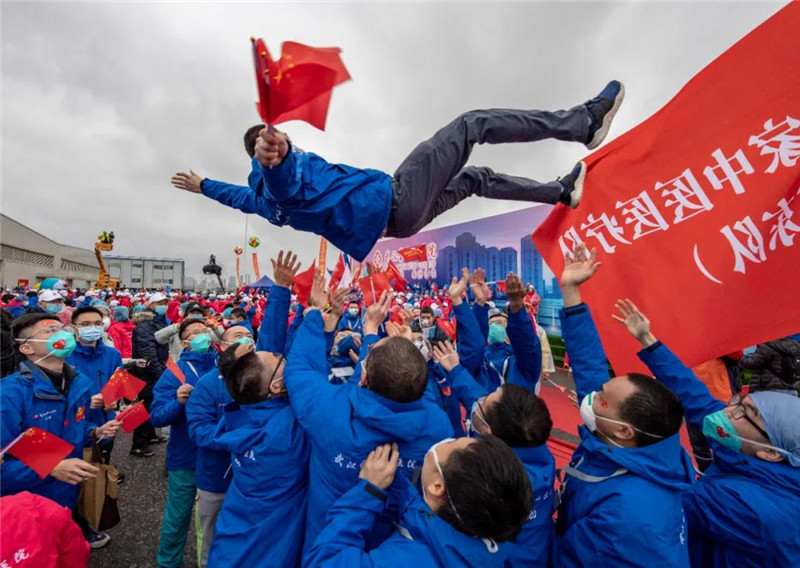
410	430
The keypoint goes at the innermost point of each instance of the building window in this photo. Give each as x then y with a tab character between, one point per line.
22	256
73	266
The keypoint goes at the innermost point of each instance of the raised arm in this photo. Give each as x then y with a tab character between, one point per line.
273	331
521	333
465	388
278	164
666	367
236	196
581	339
471	342
481	292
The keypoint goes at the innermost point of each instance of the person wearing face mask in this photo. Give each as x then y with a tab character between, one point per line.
170	395
47	393
169	334
621	495
344	422
96	361
47	302
475	497
145	346
521	419
351	320
105	310
428	326
121	331
741	512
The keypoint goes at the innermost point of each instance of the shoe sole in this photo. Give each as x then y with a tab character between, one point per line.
577	191
602	132
100	544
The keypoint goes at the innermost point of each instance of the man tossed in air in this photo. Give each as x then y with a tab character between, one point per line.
353	208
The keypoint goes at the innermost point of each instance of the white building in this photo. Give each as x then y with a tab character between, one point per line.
28	257
145	271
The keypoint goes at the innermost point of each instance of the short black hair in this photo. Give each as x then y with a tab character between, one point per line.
250	139
426	310
489	489
238	313
243	379
8	297
520	418
23	322
186	323
227	360
397	370
653	409
85	310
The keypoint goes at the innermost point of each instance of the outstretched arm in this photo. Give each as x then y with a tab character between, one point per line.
236	196
273	330
521	333
471	343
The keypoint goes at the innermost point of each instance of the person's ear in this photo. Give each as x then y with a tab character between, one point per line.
276	387
624	432
769	455
26	349
436	488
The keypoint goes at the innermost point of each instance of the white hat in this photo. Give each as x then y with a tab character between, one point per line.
50	296
247	299
90	293
434	306
113	303
157	297
63	293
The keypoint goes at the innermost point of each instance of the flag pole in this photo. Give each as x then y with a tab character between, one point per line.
11	444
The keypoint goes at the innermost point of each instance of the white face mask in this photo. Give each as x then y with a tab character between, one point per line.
353	311
106	322
432	450
424	348
590	419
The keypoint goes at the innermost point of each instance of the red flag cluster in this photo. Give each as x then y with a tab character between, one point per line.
297	86
396	278
121	385
132	417
39	450
696	208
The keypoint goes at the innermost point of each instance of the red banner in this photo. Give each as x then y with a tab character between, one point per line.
693	212
417	253
238	278
256	271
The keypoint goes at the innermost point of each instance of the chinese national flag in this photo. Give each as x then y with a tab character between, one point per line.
173	367
338	273
132	417
121	385
39	450
372	287
695	213
297	86
301	285
417	253
396	277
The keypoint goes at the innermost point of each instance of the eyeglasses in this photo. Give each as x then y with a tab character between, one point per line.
740	411
281	359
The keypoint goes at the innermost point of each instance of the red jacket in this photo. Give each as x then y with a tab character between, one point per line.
39	533
121	333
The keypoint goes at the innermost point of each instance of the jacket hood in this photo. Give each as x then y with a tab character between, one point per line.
242	426
664	463
402	421
144	315
450	547
780	475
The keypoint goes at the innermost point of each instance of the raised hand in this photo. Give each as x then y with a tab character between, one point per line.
271	148
187	182
183	392
376	314
337	301
397	330
445	354
458	287
634	321
381	465
515	292
318	297
580	267
284	268
479	287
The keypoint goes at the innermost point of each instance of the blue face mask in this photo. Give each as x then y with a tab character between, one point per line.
246	340
161	310
53	308
719	427
90	334
497	334
195	316
200	343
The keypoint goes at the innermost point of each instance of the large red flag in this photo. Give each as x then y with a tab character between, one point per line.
173	366
121	385
39	450
133	417
693	212
301	285
372	287
417	253
297	86
396	278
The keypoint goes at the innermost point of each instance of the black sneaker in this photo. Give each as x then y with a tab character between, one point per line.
120	478
602	109
98	539
157	440
572	186
143	453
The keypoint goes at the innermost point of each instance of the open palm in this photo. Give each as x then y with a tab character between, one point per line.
580	267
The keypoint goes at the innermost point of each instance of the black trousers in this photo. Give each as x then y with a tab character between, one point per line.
144	432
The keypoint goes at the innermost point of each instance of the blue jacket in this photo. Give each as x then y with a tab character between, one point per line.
619	506
28	398
535	540
350	322
262	518
97	364
743	511
422	539
519	363
273	330
348	206
346	422
204	411
167	411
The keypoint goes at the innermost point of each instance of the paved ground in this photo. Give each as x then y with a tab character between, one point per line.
134	542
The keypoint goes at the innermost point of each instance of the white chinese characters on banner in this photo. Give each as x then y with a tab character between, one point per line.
777	139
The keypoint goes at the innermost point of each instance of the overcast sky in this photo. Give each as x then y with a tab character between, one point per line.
103	102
